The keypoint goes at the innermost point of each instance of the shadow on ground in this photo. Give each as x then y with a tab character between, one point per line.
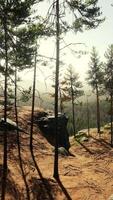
39	191
12	188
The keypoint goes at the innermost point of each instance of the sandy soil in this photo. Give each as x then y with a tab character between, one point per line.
87	175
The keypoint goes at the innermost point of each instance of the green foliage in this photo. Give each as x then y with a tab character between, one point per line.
22	32
26	95
13	15
71	90
87	14
95	73
71	86
84	14
81	115
17	11
108	69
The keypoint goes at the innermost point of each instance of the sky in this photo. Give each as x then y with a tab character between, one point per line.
100	37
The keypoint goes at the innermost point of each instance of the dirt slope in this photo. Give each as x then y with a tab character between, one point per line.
88	175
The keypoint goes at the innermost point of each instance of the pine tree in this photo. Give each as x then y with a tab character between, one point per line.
95	80
73	90
86	14
108	82
12	15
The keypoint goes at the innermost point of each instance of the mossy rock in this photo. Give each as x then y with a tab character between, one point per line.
81	137
84	139
107	126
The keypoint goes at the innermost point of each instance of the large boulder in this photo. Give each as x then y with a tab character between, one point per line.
47	126
9	125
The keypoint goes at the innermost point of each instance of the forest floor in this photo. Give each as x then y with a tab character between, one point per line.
88	175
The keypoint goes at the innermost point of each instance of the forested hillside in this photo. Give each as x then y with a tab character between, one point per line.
56	100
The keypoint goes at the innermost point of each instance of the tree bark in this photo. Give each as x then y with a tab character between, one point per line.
73	109
61	102
56	174
111	118
33	103
4	176
88	127
98	110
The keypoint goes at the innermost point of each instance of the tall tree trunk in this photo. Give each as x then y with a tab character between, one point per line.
18	139
73	109
4	176
33	103
56	174
88	117
111	118
61	102
98	110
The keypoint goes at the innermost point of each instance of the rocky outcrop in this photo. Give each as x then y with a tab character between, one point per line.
47	126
